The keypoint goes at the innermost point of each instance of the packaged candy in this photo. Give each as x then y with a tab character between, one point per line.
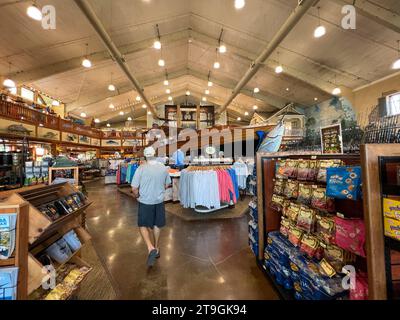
305	193
337	257
280	169
291	168
303	170
295	235
326	269
306	219
324	165
292	211
279	186
291	189
344	182
310	245
277	202
326	228
285	225
360	291
350	235
320	201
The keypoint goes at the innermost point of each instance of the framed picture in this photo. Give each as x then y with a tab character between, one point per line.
331	139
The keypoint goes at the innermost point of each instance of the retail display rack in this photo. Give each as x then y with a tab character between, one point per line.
54	212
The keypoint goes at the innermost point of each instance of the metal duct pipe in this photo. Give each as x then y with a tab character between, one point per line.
112	49
290	23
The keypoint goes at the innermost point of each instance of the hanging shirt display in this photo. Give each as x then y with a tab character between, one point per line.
242	172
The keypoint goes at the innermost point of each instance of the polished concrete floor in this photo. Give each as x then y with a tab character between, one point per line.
199	260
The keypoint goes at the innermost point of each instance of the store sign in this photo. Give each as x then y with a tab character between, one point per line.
331	139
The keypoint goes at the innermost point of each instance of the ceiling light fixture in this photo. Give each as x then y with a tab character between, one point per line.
96	120
121	113
34	12
217	65
396	64
86	62
157	43
337	91
221	46
239	119
166	82
188	93
55	103
246	113
108	125
255	107
204	99
279	69
149	113
144	106
239	4
83	115
256	90
8	83
168	91
129	119
111	87
287	89
138	98
111	106
169	98
207	92
161	63
209	83
320	31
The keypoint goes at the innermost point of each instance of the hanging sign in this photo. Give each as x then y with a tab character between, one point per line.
331	139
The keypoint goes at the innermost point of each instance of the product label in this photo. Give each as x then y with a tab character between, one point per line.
391	208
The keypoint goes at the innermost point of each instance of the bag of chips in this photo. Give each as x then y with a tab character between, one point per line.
291	189
306	219
350	235
310	245
344	182
320	201
313	170
290	170
280	169
285	226
295	235
277	202
305	193
335	256
292	211
326	228
303	170
279	186
324	165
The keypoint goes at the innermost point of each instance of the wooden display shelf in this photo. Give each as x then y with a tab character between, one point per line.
8	262
75	169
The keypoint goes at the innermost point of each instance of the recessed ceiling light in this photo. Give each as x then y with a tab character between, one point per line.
34	12
239	4
315	99
222	48
337	91
111	87
217	65
86	63
279	69
287	89
161	62
96	120
319	32
157	45
396	65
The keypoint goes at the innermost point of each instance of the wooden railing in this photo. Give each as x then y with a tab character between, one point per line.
21	113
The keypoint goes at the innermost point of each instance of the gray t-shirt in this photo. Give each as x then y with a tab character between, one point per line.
151	179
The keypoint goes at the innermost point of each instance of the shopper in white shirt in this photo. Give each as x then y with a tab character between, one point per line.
149	184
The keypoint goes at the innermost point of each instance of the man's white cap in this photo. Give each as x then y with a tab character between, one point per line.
149	152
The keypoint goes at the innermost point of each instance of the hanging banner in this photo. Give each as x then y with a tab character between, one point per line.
331	139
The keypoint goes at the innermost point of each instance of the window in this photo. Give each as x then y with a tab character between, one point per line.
27	94
393	104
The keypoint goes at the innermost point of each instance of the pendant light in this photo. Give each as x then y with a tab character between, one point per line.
256	90
255	107
121	113
83	115
168	91
169	98
86	62
207	92
157	43
34	12
209	83
8	83
149	113
111	106
239	4
396	64
111	87
144	106
217	65
221	46
320	31
188	93
246	113
161	62
279	68
129	119
108	125
337	91
96	120
166	82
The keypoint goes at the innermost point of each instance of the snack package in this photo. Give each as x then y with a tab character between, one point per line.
335	256
344	182
350	235
323	165
305	193
360	292
290	170
292	211
313	170
286	205
326	228
280	169
303	170
279	186
285	225
310	246
277	202
320	201
326	269
295	235
291	189
306	219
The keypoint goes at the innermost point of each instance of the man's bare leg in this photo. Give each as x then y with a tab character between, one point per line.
147	238
156	233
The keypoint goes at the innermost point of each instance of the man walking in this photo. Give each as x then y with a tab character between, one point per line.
149	184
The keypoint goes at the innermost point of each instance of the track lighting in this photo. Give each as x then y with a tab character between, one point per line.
34	12
149	113
256	90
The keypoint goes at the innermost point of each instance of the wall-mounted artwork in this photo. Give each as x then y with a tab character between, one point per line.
95	142
110	143
84	140
70	137
48	134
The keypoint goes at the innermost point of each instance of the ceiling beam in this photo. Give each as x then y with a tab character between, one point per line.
381	15
288	26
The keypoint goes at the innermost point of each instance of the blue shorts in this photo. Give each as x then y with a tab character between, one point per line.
151	215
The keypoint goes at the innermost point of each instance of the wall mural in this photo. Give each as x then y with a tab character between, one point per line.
334	111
